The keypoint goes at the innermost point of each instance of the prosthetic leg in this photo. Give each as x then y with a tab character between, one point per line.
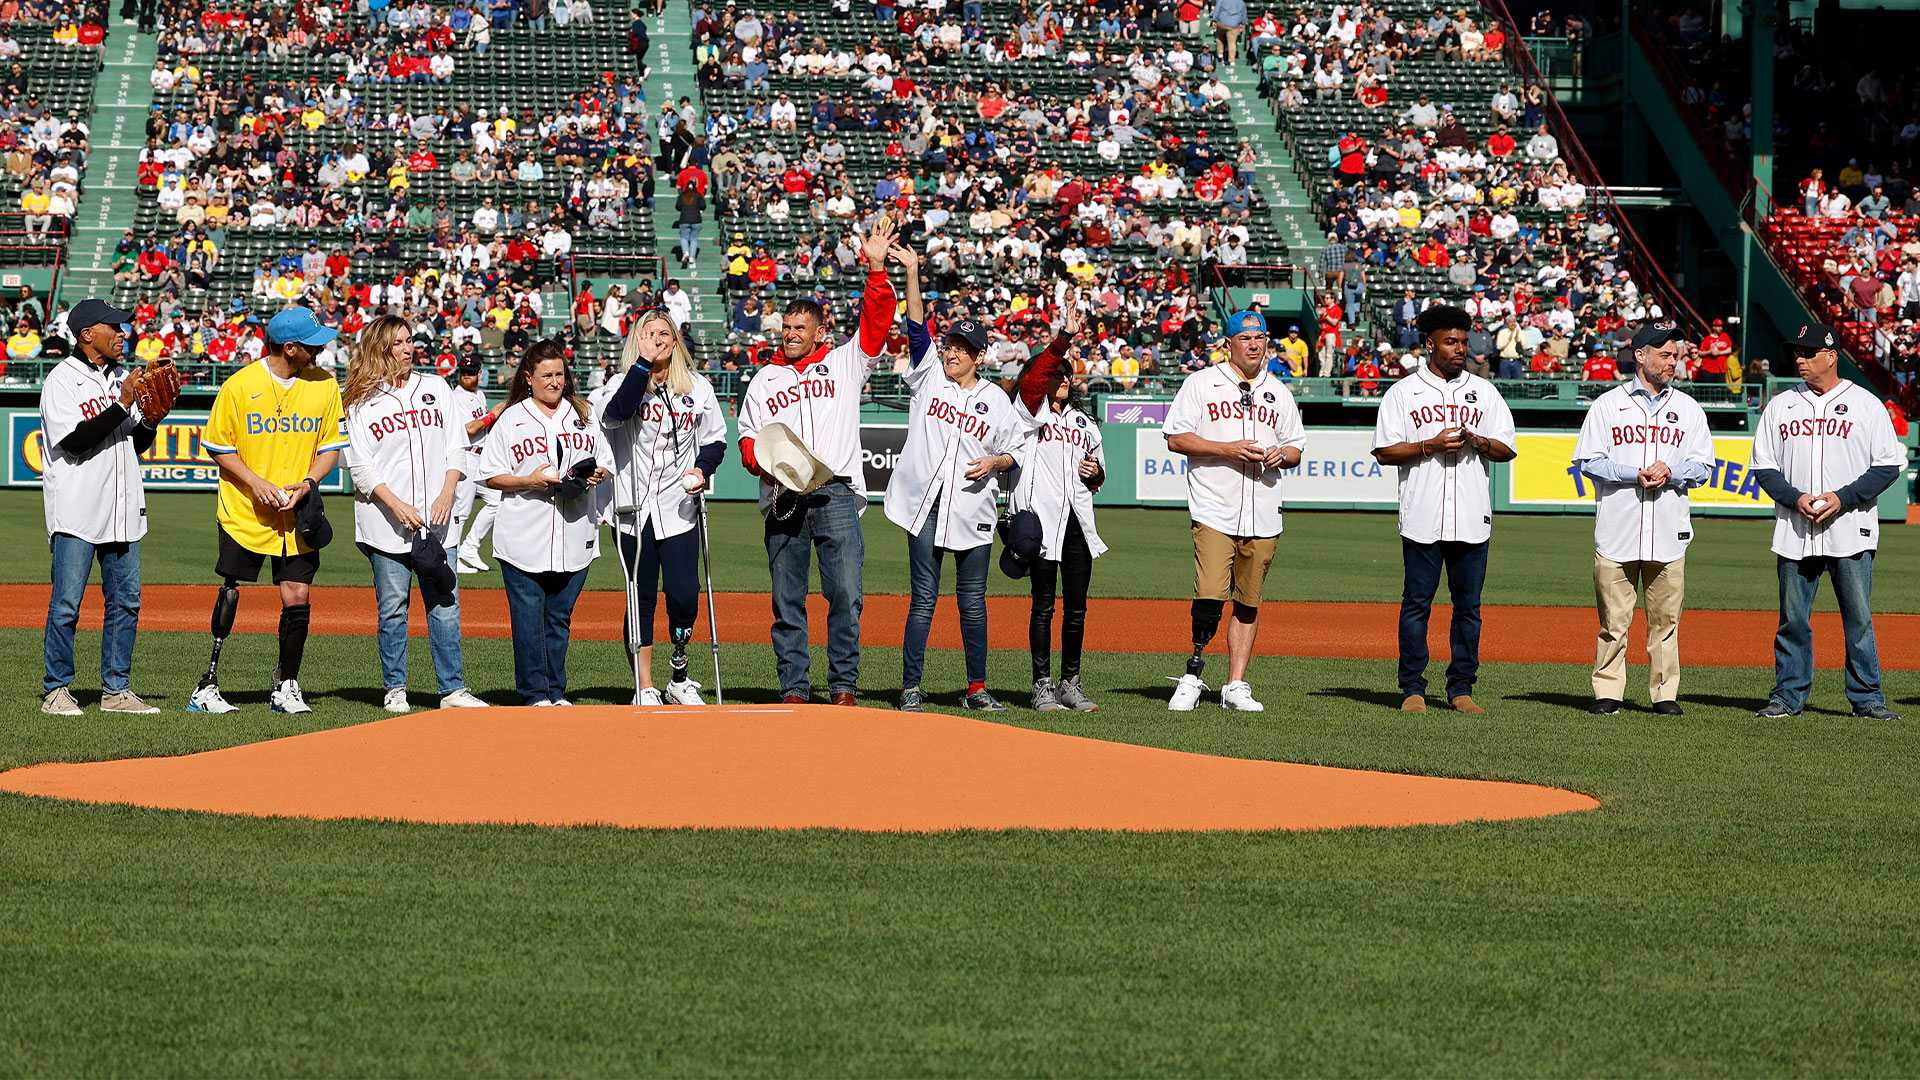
206	697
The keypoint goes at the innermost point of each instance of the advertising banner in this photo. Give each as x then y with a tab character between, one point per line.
175	462
1338	468
1543	474
880	446
1135	410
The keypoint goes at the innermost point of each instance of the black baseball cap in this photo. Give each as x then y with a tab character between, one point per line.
469	365
90	313
1655	334
1813	337
971	333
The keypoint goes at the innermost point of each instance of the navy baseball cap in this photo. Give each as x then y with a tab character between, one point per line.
91	313
1242	321
1655	334
469	366
298	324
1813	337
1020	543
970	333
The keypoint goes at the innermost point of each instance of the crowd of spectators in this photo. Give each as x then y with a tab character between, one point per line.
42	147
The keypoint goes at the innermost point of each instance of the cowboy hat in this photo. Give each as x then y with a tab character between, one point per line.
785	459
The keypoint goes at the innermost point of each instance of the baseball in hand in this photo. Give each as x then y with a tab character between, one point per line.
692	482
1819	505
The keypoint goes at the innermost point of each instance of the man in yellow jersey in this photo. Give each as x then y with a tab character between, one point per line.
276	431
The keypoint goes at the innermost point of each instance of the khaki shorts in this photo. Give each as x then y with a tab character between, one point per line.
1230	568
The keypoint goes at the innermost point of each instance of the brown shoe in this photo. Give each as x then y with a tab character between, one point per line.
1414	703
1465	703
844	698
793	699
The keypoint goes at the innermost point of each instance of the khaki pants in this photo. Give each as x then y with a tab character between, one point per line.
1616	589
1230	567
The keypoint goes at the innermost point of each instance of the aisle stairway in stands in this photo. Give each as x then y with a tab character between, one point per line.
117	127
670	79
1288	200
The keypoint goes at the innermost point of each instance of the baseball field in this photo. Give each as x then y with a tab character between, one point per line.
1742	902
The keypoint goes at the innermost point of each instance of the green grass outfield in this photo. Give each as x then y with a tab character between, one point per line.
1537	559
1742	904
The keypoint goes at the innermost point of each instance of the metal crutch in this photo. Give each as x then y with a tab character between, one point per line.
713	627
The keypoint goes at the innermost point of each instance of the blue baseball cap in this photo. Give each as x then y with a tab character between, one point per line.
1242	321
298	324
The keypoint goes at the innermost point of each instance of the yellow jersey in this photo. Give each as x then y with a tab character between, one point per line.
277	430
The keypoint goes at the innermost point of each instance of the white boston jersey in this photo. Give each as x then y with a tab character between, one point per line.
96	496
1821	443
1449	496
947	427
537	530
667	433
1049	482
820	404
405	437
1632	523
1237	498
469	405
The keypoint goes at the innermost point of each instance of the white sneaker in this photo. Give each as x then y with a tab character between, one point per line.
649	695
287	698
542	704
461	699
684	692
1187	694
561	701
1238	696
207	699
60	702
473	565
397	700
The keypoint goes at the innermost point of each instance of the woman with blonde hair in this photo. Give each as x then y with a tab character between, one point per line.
665	436
406	450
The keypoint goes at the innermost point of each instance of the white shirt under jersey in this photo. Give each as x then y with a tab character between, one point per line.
1821	443
1238	498
947	427
405	437
820	404
98	496
649	483
1049	482
537	531
1448	496
1632	429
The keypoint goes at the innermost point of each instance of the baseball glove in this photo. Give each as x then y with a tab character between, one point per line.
157	390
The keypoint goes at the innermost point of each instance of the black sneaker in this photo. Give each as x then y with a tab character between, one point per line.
1605	706
1776	710
981	701
911	699
1669	708
1877	711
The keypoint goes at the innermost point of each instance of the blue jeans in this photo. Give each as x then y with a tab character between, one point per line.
1466	567
689	241
1793	642
827	520
392	585
1512	369
540	606
969	588
73	560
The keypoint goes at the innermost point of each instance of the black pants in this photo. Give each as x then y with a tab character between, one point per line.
676	561
1072	573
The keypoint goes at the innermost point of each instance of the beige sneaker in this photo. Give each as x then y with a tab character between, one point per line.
126	701
60	703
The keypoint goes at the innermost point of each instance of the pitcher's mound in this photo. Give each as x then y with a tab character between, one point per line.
770	766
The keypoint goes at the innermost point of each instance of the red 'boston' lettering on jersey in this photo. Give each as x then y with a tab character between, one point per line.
402	420
1642	434
1234	410
1058	432
798	392
528	447
93	408
967	423
1448	413
1816	427
654	412
576	440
